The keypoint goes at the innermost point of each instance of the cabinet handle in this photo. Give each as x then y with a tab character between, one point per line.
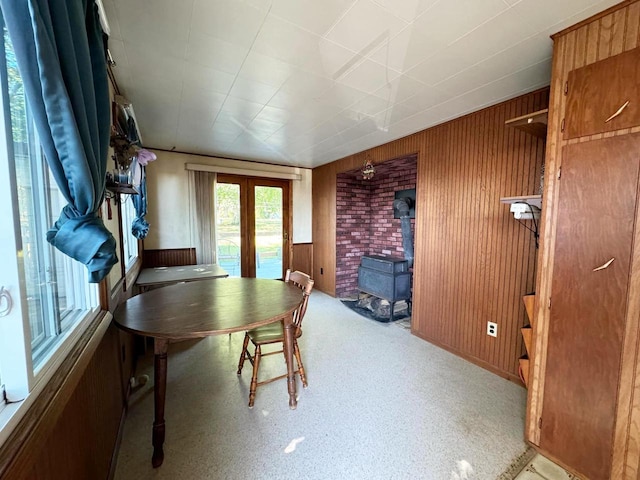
606	265
617	112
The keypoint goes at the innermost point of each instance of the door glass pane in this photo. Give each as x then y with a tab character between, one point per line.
228	227
269	232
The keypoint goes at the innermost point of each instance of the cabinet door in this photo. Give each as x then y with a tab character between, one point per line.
596	210
597	91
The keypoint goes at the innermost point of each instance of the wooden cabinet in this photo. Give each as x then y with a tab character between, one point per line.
583	407
604	96
596	211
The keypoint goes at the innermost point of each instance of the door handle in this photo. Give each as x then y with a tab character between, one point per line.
5	298
286	235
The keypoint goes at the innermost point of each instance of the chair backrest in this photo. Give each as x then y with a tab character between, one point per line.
305	283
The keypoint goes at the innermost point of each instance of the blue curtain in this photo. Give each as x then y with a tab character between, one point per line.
60	49
140	227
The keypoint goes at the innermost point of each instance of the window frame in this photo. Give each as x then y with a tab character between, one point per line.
22	381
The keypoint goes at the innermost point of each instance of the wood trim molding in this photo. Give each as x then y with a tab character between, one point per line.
132	274
626	453
40	419
545	254
116	294
124	288
104	294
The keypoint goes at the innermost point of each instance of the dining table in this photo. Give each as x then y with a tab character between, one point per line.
206	308
154	277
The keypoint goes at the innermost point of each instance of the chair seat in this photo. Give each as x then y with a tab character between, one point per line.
272	333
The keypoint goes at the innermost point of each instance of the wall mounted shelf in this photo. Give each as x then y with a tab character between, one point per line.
526	207
533	123
535	200
125	188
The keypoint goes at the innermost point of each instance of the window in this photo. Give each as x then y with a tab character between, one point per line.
50	292
129	242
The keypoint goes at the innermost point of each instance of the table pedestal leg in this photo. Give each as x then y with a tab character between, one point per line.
289	333
160	389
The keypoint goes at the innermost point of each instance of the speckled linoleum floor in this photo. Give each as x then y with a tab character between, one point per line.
381	404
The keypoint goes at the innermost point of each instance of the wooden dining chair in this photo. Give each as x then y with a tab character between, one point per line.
274	334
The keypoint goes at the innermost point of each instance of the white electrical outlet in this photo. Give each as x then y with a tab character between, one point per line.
492	329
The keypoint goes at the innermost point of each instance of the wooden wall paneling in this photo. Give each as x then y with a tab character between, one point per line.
324	205
618	23
462	232
500	279
516	171
126	354
632	27
473	261
592	44
302	257
521	173
458	176
168	257
474	216
421	244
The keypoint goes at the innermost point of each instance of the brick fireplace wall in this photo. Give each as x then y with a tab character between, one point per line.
353	226
364	218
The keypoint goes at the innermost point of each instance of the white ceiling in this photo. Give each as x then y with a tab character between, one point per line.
306	82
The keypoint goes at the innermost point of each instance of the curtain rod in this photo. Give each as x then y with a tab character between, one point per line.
242	171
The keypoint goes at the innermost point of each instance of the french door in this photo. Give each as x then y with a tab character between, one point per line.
252	225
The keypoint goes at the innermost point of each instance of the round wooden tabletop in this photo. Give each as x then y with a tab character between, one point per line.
207	307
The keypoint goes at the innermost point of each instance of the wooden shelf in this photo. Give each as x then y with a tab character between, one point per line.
122	188
527	333
523	370
535	200
533	123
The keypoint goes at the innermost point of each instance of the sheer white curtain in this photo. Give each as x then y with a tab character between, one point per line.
202	188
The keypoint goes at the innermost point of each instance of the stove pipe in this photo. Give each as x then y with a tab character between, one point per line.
403	205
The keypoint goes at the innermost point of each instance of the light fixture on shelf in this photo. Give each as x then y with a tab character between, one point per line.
524	211
368	170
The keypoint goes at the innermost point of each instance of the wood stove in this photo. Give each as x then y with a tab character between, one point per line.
385	277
